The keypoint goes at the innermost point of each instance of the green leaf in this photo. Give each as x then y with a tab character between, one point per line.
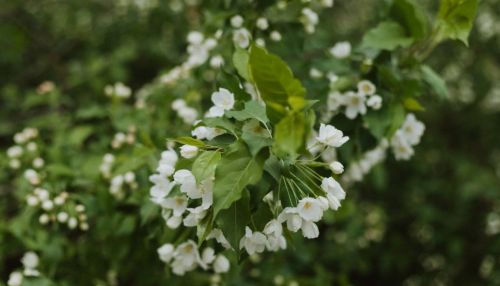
232	221
455	19
435	81
386	36
275	82
289	135
205	164
240	62
412	104
79	134
236	170
382	123
220	122
188	141
253	109
139	157
411	16
231	82
255	136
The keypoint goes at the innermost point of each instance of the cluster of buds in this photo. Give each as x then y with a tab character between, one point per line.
122	138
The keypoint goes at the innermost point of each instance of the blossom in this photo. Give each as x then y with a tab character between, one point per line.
15	151
275	36
292	218
178	204
221	264
208	255
183	175
334	192
310	209
195	37
355	104
236	21
334	100
216	61
223	98
309	229
30	260
331	136
336	167
400	146
366	87
195	216
219	237
189	151
262	23
15	279
253	242
241	38
209	133
186	258
374	101
310	19
174	222
341	50
166	252
412	129
275	238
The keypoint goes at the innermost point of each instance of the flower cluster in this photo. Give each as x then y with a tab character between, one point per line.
118	90
355	102
358	169
186	113
122	138
187	257
120	183
26	153
59	209
30	263
406	137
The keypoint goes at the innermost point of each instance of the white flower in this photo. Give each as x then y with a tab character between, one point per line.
336	167
216	61
169	157
309	229
215	111
341	50
366	87
375	102
412	129
38	163
260	42
310	19
72	223
30	260
188	114
208	255
326	3
236	21
275	36
174	222
334	100
122	90
15	279
189	151
332	77
15	151
32	176
161	189
208	133
32	200
178	104
334	192
315	73
195	37
262	23
273	227
166	252
223	98
184	176
62	217
355	104
219	237
47	205
186	258
310	209
292	218
221	264
400	146
44	219
253	242
178	204
275	238
195	216
331	136
241	38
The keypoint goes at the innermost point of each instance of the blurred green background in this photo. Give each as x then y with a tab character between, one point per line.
434	220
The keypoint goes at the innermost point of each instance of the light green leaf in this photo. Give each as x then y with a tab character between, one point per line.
240	62
455	19
411	16
435	81
412	104
252	109
220	122
232	221
188	141
276	84
386	36
236	170
79	134
205	164
289	135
